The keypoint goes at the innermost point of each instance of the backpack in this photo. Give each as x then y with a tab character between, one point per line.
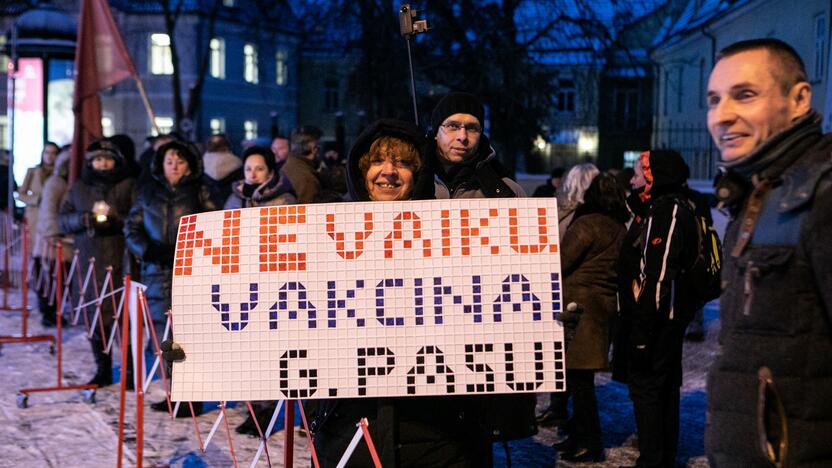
703	277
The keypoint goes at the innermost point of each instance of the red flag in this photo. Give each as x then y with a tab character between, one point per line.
101	60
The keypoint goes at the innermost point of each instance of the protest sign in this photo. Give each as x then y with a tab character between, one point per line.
438	297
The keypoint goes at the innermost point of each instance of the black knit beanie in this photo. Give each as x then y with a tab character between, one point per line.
457	103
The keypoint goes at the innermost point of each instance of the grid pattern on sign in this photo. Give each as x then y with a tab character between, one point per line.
369	299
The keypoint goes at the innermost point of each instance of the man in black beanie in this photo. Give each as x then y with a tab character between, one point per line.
465	163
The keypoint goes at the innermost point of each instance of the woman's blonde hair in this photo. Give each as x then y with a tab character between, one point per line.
577	180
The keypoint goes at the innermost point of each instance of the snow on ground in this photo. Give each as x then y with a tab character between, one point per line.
60	429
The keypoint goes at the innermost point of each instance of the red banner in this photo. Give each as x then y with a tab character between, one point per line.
101	61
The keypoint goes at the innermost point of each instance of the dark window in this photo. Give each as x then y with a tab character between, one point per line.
625	107
565	97
331	95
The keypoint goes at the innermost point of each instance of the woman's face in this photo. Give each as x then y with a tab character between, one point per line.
256	170
175	167
103	163
389	178
50	152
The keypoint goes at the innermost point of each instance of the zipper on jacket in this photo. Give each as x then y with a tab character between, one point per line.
751	271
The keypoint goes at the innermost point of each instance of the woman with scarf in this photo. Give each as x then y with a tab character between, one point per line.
264	184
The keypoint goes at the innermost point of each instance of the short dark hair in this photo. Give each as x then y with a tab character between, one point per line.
304	140
789	68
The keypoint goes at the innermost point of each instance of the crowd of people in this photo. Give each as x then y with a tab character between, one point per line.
629	243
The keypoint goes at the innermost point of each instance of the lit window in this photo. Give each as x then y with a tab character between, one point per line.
4	130
228	3
217	125
820	47
282	69
250	63
565	96
161	62
250	129
107	127
217	67
4	59
165	125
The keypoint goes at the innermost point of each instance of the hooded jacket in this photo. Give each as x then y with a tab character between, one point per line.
104	240
153	223
417	431
656	248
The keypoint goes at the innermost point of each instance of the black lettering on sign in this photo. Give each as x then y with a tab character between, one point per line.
471	351
421	369
365	369
538	369
310	374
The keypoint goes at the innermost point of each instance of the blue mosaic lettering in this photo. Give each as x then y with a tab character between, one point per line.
224	308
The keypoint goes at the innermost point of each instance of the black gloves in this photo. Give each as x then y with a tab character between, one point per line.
171	351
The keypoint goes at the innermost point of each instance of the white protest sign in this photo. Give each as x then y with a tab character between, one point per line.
369	299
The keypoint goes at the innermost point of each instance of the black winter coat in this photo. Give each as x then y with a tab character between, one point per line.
416	431
104	241
153	224
776	311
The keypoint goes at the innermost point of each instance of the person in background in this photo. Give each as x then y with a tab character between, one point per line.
221	168
571	193
332	173
589	252
48	232
302	164
153	223
654	302
280	148
29	191
263	185
93	212
550	188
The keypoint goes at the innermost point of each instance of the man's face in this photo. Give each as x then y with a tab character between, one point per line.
746	104
280	148
638	181
458	137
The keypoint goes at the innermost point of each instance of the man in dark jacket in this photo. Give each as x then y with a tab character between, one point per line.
653	300
302	164
466	164
768	391
466	167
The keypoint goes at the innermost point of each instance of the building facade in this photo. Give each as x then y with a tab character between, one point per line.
685	57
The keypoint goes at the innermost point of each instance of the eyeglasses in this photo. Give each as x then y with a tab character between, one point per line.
453	127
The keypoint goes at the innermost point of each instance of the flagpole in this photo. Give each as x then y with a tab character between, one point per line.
146	102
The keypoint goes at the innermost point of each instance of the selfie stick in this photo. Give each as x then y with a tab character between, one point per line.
409	26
